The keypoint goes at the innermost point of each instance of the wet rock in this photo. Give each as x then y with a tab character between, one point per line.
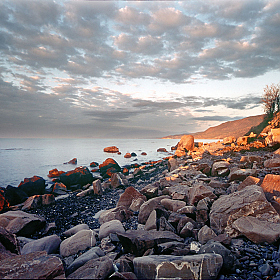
54	173
113	226
127	155
98	268
72	161
33	186
37	265
139	241
93	253
21	223
108	167
50	244
111	149
80	241
203	266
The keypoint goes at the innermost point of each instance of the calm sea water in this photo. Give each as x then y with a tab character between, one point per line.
24	158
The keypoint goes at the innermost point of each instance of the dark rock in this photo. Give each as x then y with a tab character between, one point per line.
80	175
9	241
72	161
15	195
93	164
33	186
162	150
108	167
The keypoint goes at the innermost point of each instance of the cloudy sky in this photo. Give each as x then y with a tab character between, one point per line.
133	69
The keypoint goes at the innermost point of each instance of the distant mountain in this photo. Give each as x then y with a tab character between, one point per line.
235	128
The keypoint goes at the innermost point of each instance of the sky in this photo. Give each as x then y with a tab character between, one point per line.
133	69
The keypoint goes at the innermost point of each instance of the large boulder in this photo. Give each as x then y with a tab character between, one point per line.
80	175
138	241
273	137
108	167
15	195
50	244
32	186
37	265
186	143
128	196
80	241
248	202
21	223
202	266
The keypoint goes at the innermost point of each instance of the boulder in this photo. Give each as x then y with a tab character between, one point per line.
93	164
198	192
172	164
59	189
202	266
21	223
143	154
186	143
273	137
36	201
15	195
120	213
50	244
37	265
205	234
97	268
72	161
229	140
127	155
172	205
111	149
217	248
113	226
33	186
128	196
148	206
75	229
250	201
270	163
108	167
9	241
258	231
82	240
93	253
138	242
80	175
54	173
220	168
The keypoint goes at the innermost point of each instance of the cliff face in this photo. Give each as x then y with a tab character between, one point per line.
233	128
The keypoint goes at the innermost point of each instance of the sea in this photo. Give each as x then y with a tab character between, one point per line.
23	158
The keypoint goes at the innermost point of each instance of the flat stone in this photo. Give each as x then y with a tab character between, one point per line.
203	266
37	265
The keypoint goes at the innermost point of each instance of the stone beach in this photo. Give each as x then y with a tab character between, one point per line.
210	211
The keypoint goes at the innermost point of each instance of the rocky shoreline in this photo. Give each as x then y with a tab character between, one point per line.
209	212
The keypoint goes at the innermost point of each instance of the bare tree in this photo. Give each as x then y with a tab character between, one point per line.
271	99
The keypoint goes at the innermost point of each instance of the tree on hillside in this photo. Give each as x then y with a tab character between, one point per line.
271	99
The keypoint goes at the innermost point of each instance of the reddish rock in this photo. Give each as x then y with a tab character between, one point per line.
72	161
127	155
250	180
270	163
120	213
111	149
271	184
4	204
186	143
143	154
125	171
162	150
229	140
242	141
93	164
108	167
128	196
55	173
36	201
59	189
198	192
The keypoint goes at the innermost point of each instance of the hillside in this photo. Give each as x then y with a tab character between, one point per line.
235	128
